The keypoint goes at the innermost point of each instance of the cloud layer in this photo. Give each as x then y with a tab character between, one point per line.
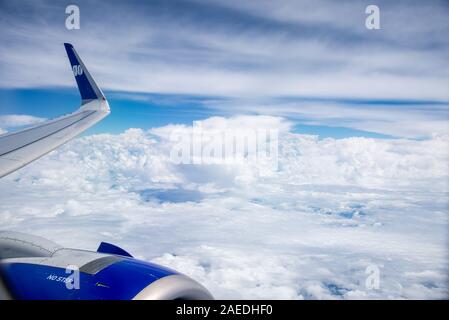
394	119
312	62
226	48
307	230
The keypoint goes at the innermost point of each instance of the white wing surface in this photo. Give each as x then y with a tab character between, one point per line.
20	148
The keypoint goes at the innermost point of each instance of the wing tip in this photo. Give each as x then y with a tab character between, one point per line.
87	86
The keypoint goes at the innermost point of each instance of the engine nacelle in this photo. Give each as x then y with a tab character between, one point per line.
35	268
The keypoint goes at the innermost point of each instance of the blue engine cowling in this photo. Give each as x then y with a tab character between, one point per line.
35	268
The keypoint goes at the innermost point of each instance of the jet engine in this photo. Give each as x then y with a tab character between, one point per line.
35	268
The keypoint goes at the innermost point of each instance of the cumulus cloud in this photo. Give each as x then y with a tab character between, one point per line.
18	120
308	229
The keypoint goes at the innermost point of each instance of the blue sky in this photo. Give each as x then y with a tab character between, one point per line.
159	62
155	110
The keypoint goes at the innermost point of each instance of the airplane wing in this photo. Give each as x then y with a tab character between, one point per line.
20	148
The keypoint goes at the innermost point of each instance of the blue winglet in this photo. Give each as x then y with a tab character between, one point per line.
86	84
112	249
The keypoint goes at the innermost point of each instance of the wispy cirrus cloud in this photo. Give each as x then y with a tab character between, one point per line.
258	57
410	119
233	49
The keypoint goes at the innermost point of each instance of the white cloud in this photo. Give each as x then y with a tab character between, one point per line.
411	121
18	120
292	48
308	230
